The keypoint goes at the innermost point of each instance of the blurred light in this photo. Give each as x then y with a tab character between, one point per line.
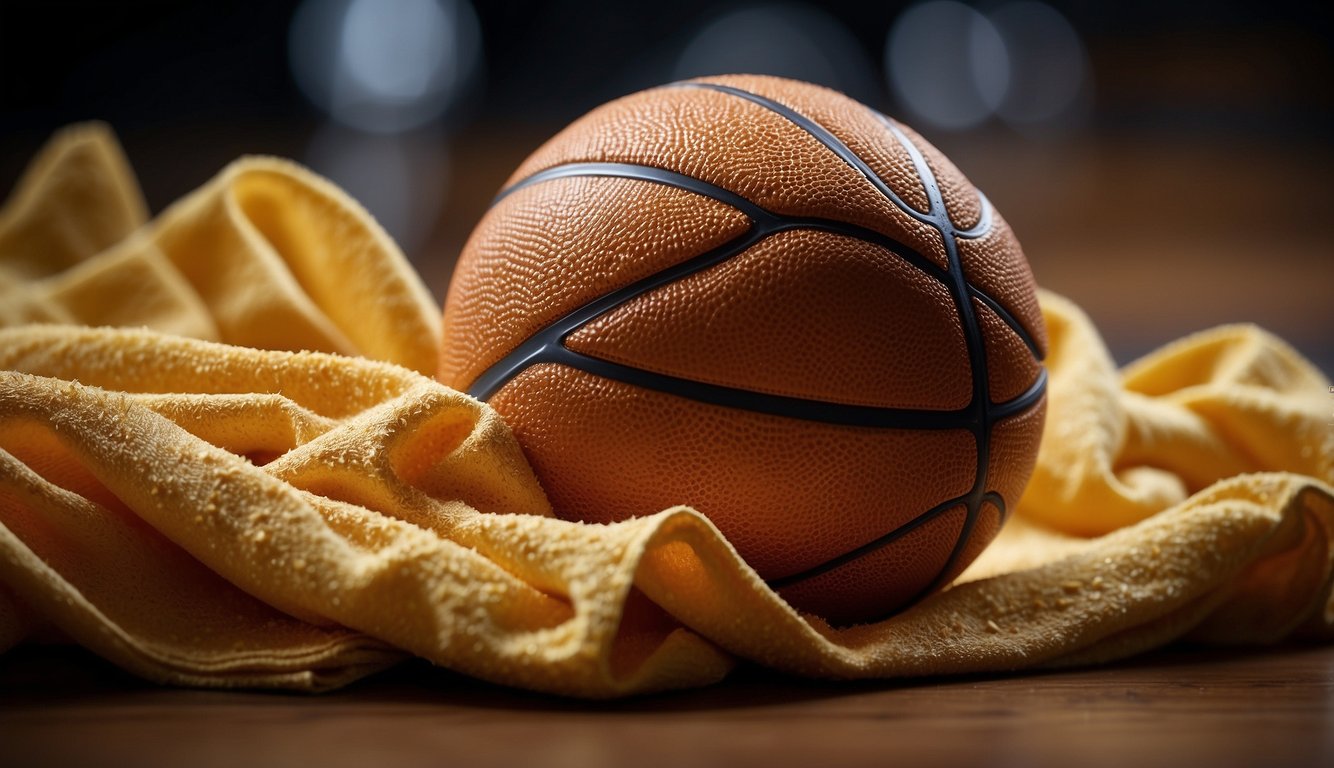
783	39
396	48
401	179
1048	65
384	65
947	64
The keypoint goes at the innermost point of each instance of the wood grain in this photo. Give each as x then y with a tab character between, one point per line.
1179	707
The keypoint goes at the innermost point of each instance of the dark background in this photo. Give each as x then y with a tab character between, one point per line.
1192	189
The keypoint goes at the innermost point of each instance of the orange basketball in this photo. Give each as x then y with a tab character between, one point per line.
762	299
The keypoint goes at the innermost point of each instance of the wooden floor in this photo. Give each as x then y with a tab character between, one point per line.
1179	707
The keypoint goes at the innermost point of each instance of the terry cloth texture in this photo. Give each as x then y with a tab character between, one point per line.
221	510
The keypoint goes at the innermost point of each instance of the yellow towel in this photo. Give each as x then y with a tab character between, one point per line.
202	511
266	255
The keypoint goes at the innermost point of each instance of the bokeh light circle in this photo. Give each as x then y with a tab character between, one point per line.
947	64
384	66
1048	64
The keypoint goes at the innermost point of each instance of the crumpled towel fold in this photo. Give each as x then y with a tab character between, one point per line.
209	513
265	255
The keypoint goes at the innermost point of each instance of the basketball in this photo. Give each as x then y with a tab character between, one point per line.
761	299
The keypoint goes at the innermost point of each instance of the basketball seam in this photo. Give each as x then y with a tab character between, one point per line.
1000	341
758	214
844	152
545	342
620	358
976	354
937	216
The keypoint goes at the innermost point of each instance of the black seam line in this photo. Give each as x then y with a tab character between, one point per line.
981	411
843	414
642	173
938	217
984	216
547	345
761	217
920	162
845	153
995	498
868	547
976	354
757	214
1010	320
1022	401
934	216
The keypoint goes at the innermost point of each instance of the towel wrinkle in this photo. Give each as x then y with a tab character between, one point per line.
223	463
